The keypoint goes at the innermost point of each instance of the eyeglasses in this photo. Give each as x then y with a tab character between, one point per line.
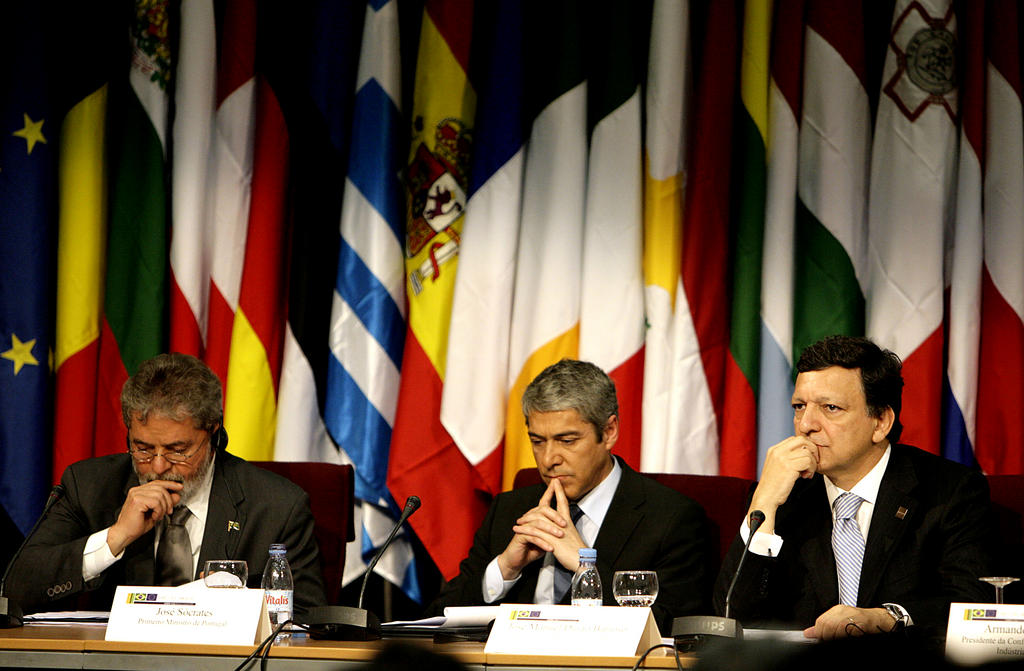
144	456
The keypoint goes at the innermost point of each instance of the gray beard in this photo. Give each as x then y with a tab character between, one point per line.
191	483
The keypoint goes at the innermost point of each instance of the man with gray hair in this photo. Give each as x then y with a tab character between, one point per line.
527	547
154	514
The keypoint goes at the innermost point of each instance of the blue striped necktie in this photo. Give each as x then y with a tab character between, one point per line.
848	546
563	576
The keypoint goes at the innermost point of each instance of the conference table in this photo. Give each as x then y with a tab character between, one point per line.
82	646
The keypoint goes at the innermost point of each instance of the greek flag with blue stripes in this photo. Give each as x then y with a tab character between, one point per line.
368	314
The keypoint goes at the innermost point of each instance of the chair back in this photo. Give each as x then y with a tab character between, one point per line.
329	487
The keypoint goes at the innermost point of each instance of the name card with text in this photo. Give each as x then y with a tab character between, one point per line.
589	631
985	632
188	614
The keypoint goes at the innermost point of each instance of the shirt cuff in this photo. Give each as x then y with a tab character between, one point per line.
96	557
905	619
766	545
495	586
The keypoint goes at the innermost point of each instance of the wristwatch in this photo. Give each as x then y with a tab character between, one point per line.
899	614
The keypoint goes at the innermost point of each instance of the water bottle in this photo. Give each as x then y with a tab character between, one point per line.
279	589
586	584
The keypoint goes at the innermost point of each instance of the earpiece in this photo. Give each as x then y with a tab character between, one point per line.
219	438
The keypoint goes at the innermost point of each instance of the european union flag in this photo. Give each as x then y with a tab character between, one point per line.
28	180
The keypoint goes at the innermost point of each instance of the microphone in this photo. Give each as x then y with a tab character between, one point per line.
691	631
412	504
344	623
10	613
755	522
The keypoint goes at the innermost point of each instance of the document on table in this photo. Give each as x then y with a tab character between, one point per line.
455	617
787	635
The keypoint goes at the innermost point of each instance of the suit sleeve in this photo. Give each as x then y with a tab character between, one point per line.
760	594
49	569
750	598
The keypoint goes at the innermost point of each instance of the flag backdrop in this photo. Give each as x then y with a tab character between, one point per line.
28	160
377	221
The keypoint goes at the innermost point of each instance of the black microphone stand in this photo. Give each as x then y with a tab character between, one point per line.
11	614
692	630
344	623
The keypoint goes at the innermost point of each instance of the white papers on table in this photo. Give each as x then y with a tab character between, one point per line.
787	635
454	617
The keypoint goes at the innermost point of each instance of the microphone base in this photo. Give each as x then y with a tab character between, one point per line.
693	631
10	614
342	623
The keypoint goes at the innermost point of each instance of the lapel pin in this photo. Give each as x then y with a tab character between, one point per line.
233	526
901	513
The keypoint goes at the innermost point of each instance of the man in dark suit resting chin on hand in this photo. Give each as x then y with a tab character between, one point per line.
154	514
527	547
861	535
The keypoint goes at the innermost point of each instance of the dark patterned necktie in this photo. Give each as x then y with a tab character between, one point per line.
563	576
174	554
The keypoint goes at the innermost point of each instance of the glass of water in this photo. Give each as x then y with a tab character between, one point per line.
635	588
226	573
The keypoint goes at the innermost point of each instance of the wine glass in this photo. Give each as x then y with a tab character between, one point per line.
226	573
635	588
999	582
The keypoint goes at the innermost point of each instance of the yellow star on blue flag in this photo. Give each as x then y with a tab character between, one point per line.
32	131
20	353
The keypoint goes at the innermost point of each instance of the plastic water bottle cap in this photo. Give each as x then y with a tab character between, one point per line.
588	553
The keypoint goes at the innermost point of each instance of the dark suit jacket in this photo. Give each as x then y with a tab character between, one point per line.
924	560
267	508
648	526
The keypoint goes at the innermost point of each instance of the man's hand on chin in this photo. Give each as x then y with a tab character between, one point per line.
540	530
534	532
842	621
145	506
565	546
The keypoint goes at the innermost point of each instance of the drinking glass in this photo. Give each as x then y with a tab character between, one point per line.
999	582
226	573
635	588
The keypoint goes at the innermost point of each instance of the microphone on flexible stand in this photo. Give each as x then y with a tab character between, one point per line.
692	629
10	613
756	520
344	623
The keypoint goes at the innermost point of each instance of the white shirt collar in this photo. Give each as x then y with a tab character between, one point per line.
867	487
199	502
595	503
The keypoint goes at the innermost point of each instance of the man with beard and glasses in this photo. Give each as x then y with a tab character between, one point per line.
156	513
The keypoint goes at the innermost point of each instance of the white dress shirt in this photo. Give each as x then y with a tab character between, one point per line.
867	488
97	558
594	506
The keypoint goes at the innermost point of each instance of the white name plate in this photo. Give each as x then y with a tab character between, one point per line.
985	632
188	614
589	631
